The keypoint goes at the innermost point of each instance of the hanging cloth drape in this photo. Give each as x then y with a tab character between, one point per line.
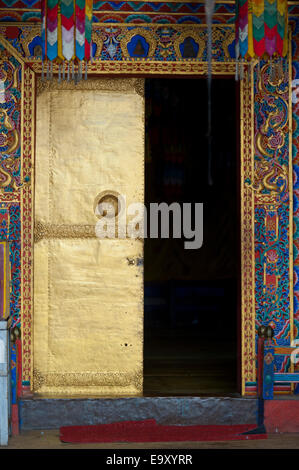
66	30
261	28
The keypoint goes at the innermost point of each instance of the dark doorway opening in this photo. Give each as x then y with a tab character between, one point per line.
191	299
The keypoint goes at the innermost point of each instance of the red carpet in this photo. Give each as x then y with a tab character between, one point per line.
150	431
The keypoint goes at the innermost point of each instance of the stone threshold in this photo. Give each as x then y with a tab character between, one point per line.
50	413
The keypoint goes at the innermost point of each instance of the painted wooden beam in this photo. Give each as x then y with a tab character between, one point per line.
285	377
284	350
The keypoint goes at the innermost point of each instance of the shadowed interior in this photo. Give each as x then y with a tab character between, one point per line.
191	295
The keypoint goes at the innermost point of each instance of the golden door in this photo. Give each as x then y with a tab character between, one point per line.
88	293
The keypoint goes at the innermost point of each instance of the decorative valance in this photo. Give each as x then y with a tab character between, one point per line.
66	35
261	29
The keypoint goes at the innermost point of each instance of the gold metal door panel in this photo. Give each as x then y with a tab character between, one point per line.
88	298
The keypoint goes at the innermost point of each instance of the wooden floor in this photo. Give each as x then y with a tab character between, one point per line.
180	362
49	439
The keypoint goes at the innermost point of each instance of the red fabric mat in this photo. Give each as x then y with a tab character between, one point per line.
150	431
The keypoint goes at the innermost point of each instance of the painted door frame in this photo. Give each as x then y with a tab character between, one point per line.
266	168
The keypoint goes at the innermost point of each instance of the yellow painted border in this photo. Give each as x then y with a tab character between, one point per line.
4	287
291	202
6	279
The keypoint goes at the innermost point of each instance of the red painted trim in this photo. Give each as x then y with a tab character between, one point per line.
282	416
15	431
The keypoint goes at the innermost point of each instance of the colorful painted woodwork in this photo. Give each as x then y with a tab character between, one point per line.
164	43
267	376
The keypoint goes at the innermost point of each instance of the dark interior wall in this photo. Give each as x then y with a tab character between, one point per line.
177	171
191	296
201	282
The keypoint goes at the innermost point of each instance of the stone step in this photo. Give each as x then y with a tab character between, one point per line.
48	413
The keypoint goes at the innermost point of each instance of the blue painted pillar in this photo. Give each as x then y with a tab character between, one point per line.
268	374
